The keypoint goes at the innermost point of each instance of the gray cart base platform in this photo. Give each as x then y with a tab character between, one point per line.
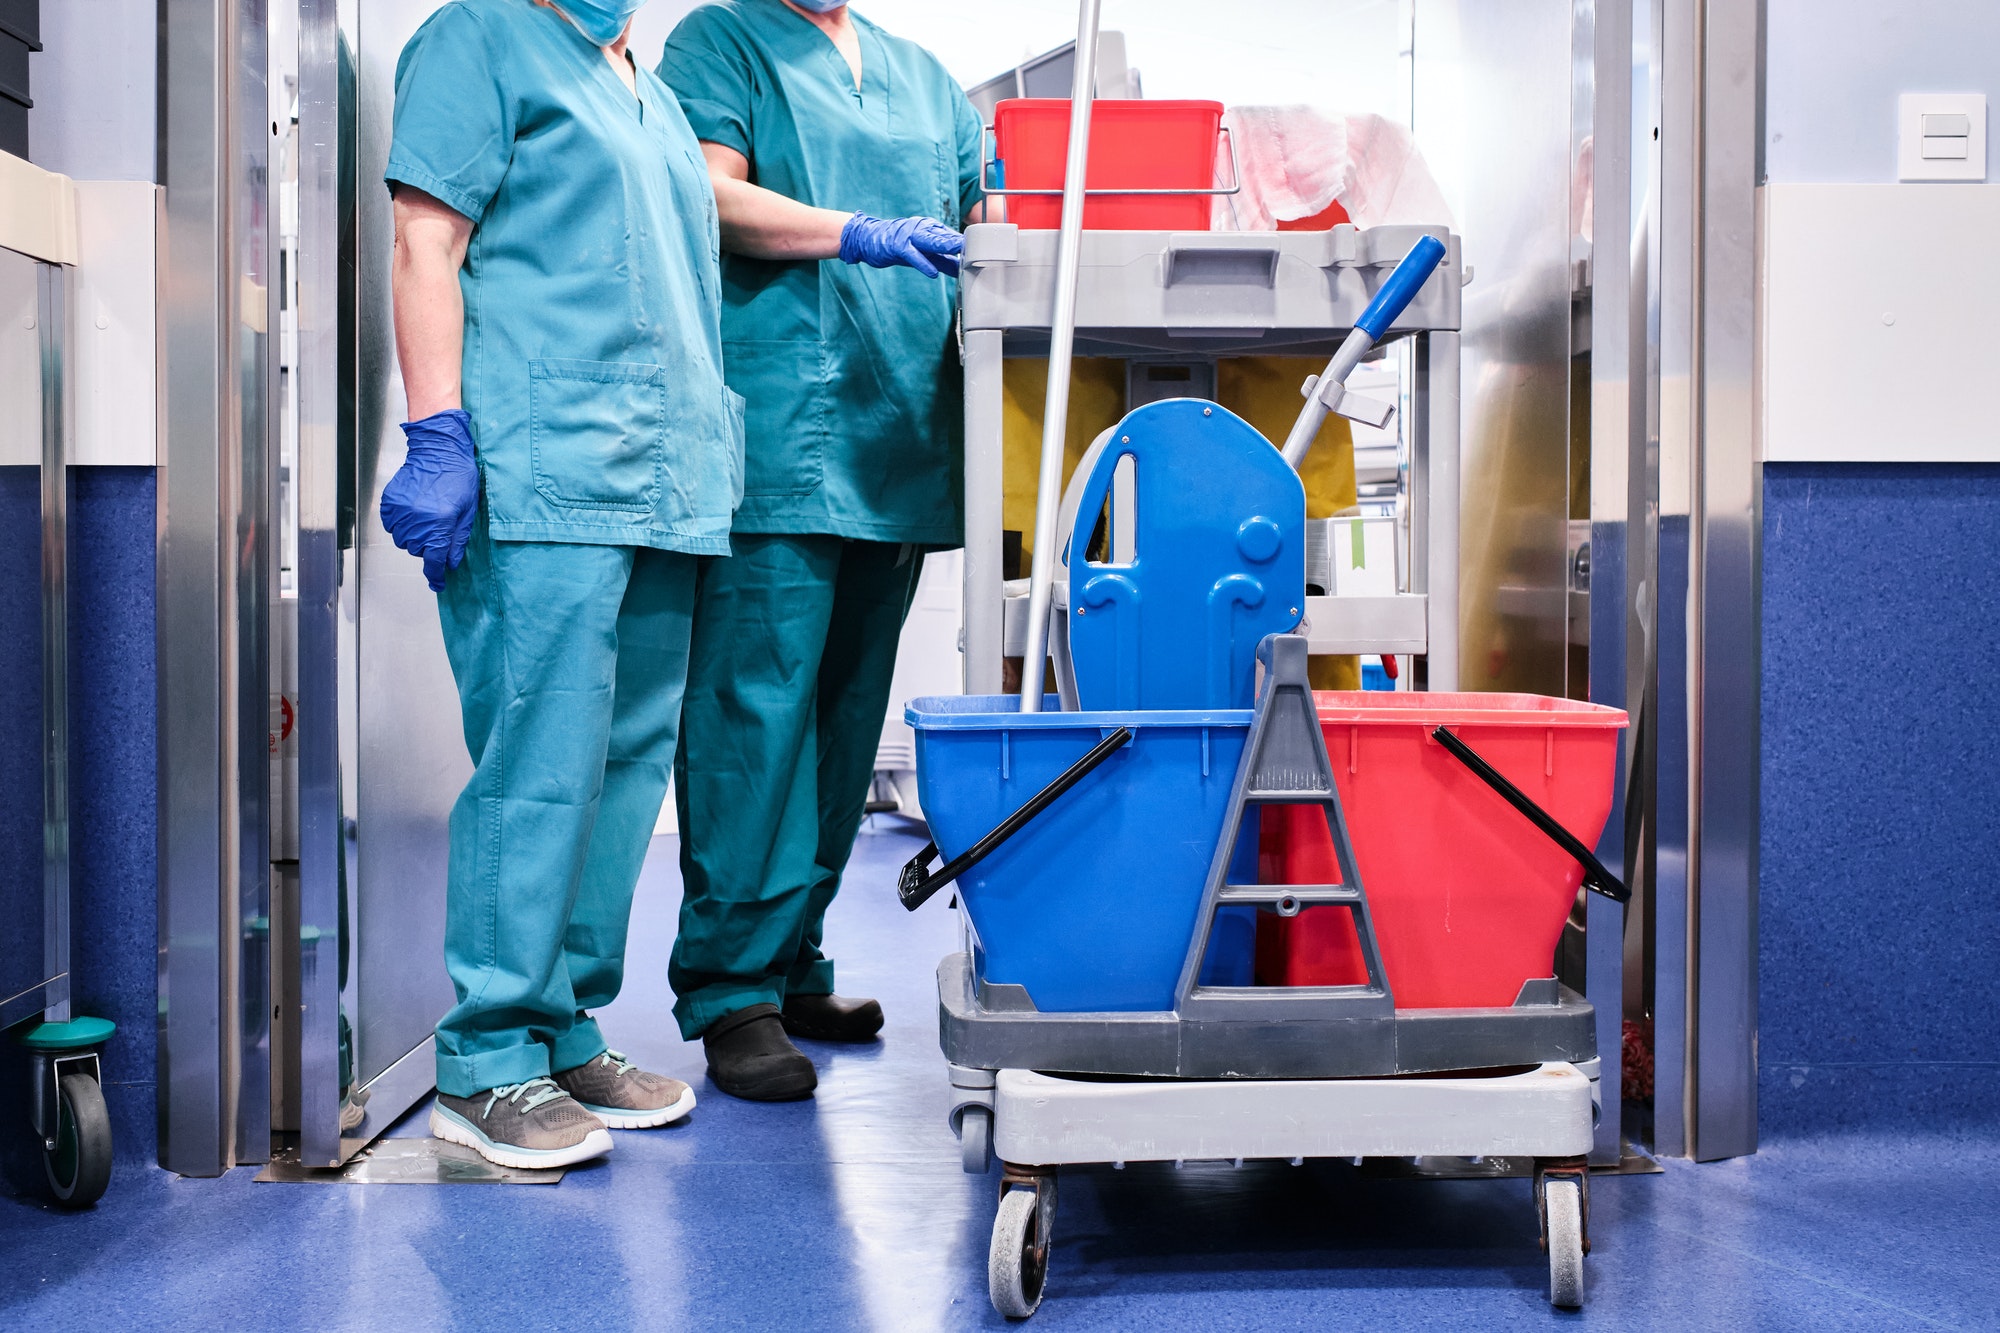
1038	1122
1065	1120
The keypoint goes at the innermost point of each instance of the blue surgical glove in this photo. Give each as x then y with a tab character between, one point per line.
429	504
925	244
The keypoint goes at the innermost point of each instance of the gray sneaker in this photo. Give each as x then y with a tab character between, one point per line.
625	1096
532	1124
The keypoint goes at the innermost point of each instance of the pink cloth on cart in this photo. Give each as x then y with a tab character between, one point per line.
1297	160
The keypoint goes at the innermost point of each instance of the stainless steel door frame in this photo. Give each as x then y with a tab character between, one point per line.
321	835
34	954
1702	914
37	343
213	589
1620	665
55	285
1669	227
1724	625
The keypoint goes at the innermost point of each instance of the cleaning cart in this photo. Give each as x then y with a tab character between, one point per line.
1108	1010
1175	946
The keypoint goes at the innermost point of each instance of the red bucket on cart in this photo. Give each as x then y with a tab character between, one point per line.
1468	897
1134	145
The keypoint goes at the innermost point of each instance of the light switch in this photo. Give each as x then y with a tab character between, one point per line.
1941	137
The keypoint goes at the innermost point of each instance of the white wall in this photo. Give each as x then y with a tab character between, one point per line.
1833	69
94	82
1343	54
1874	349
651	26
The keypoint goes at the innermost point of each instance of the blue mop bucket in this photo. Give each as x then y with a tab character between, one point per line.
1090	906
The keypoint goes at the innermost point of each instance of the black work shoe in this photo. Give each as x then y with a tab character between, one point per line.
750	1057
830	1018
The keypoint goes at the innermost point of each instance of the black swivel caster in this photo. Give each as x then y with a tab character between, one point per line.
69	1115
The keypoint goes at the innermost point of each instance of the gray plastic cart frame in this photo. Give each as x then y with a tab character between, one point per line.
998	1027
1144	294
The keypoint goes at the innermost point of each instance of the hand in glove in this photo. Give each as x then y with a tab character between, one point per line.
429	504
924	244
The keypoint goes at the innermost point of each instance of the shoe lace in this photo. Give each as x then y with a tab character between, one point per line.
526	1096
616	1061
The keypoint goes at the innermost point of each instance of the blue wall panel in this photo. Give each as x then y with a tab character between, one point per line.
114	869
1880	893
21	879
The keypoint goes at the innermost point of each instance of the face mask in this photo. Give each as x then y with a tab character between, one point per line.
820	6
602	21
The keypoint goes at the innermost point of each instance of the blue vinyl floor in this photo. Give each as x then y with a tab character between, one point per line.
850	1212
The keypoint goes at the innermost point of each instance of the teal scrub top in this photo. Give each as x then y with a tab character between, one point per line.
854	396
593	349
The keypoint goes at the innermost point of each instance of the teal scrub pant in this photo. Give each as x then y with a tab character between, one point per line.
788	683
570	661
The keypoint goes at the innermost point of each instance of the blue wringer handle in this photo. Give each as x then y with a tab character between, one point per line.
1402	287
1325	391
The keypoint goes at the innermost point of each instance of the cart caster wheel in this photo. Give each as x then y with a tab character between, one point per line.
1018	1262
1564	1202
79	1166
975	1140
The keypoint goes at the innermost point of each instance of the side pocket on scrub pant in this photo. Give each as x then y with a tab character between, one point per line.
732	417
597	432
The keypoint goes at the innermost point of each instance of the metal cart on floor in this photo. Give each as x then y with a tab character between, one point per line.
1201	1067
1222	1072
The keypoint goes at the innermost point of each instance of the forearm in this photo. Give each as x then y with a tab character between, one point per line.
429	308
763	224
430	336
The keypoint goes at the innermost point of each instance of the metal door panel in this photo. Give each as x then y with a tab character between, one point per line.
381	756
412	756
214	586
1508	177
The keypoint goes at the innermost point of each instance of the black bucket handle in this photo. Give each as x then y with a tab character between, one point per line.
1595	877
917	884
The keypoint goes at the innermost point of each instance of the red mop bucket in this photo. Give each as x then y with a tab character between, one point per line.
1134	144
1469	898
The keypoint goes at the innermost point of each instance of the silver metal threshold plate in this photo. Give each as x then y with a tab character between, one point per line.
407	1162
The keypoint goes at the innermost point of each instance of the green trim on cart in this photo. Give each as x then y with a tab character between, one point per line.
73	1035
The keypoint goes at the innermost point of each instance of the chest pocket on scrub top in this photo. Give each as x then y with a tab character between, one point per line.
597	432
